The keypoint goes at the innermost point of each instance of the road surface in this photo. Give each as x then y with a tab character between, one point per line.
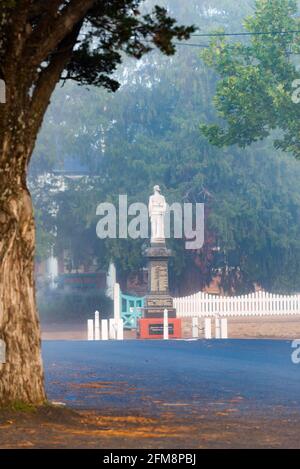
150	376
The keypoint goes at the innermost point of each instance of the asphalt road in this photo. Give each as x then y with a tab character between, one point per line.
150	376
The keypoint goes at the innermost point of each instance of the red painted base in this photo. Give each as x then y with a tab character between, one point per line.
152	328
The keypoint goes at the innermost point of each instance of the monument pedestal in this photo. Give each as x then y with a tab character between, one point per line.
158	298
153	328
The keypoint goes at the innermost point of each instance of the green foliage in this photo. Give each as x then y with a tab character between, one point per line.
64	306
148	133
254	94
24	407
105	32
116	27
257	219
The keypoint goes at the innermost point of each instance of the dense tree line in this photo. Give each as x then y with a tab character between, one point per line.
149	132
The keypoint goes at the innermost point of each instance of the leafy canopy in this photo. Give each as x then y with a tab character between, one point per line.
97	32
254	94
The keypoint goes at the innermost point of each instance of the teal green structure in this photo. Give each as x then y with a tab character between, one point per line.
131	310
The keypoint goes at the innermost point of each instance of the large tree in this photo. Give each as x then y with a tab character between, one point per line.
41	42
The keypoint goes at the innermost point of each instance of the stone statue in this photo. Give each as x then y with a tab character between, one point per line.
157	209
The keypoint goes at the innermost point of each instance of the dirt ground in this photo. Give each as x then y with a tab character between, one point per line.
283	327
51	427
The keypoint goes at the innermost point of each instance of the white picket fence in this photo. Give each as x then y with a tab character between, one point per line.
255	304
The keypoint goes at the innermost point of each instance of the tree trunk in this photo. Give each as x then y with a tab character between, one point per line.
27	98
21	377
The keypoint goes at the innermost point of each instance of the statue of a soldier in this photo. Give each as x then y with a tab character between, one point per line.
157	209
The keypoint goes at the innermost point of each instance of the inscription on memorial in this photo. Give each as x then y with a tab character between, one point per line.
156	302
158	329
159	276
163	284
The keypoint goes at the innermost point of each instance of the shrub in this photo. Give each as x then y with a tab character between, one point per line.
62	306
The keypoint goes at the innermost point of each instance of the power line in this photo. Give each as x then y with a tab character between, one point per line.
245	33
207	46
190	44
257	33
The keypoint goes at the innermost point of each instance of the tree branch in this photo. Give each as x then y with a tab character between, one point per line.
47	36
48	78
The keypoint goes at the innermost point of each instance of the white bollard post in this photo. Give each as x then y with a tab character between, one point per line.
224	328
90	329
195	328
166	325
207	328
104	329
117	302
97	326
217	328
120	333
112	329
